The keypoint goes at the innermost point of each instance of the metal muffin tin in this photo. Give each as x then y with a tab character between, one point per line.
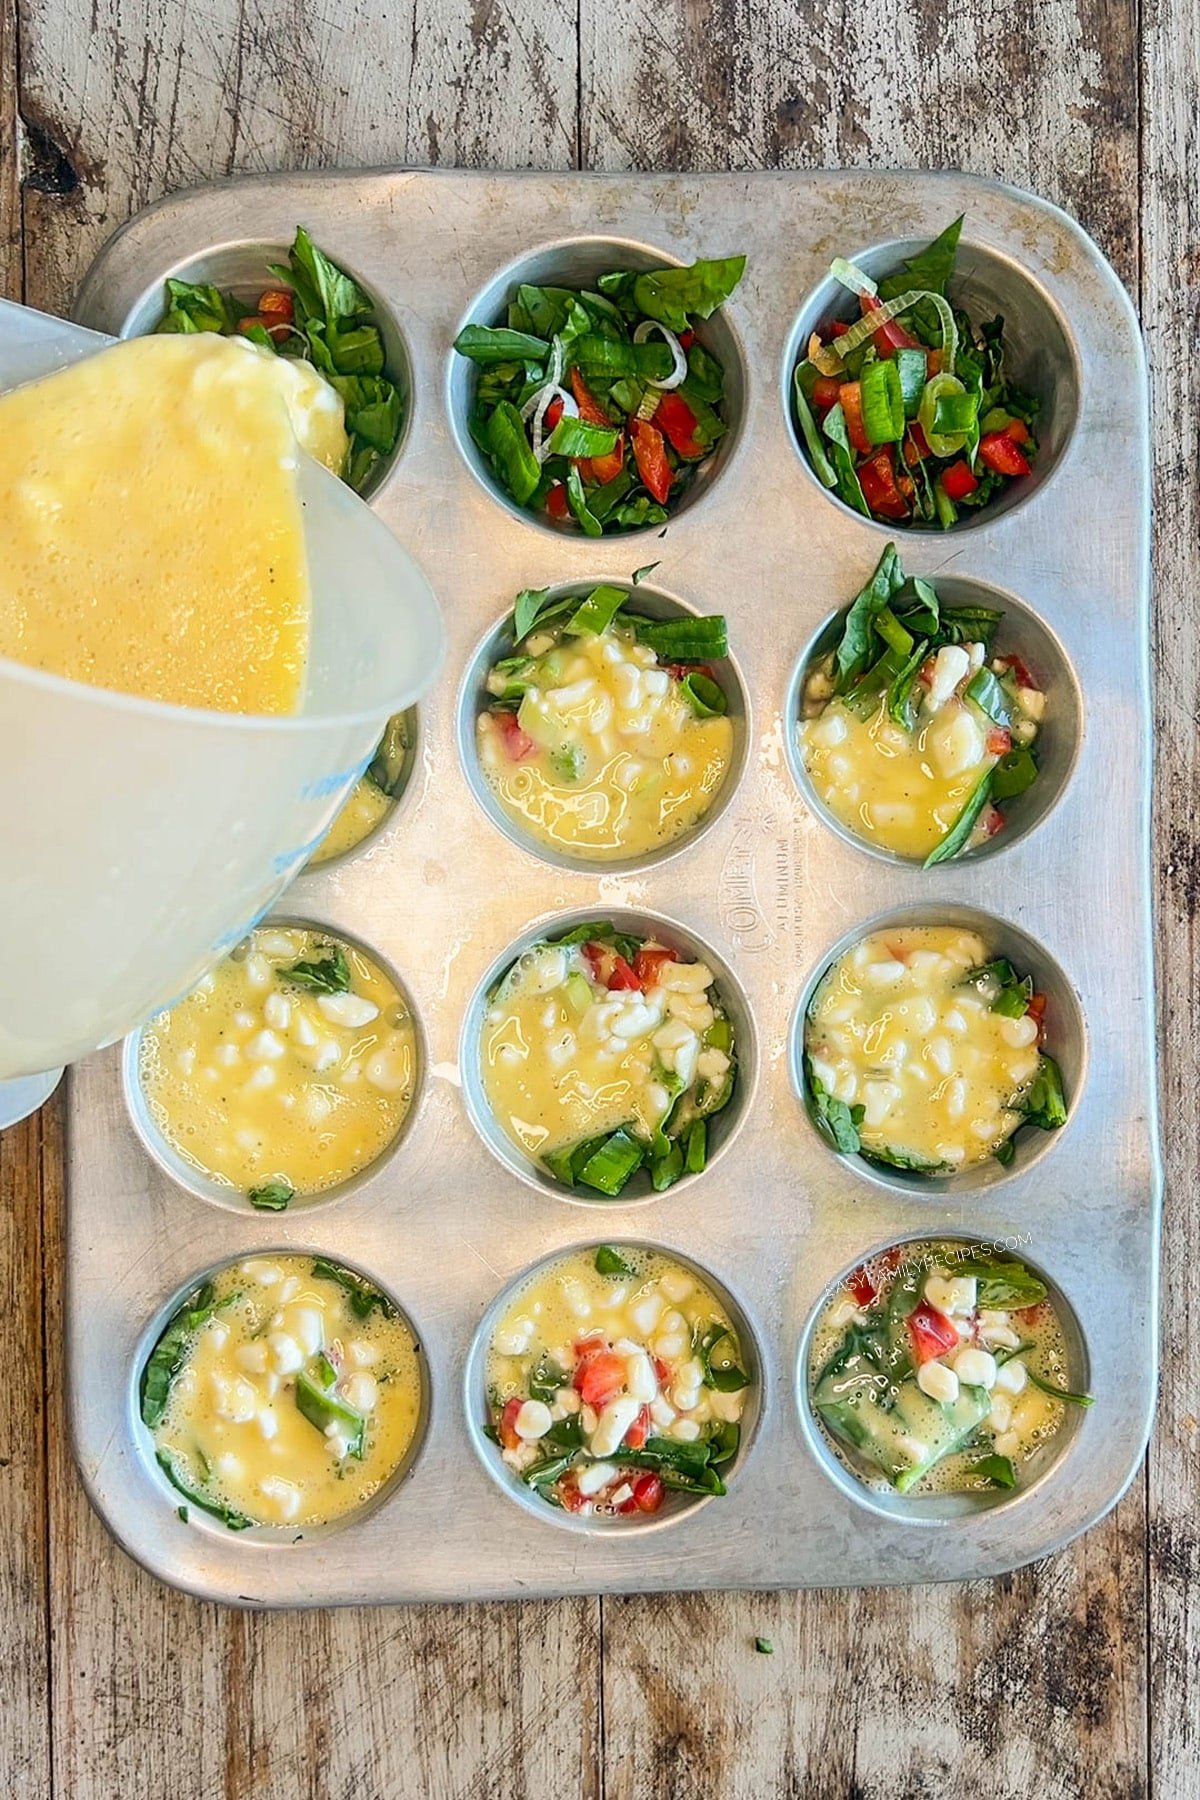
441	893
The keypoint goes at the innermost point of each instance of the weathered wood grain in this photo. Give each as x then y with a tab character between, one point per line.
1039	1679
1171	311
159	97
1045	98
1027	1685
30	1155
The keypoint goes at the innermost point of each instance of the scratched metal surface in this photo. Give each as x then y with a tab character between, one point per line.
441	893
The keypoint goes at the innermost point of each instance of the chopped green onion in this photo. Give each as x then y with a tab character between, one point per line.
685	639
912	369
882	402
852	277
705	696
612	1164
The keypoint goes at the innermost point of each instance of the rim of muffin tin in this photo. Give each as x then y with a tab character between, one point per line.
1068	1044
396	803
1064	724
724	1125
183	1174
659	603
284	1536
952	1509
676	1507
828	299
573	262
242	265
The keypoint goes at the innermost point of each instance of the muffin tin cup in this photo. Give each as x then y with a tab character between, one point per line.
178	1169
1066	1042
1041	354
396	806
277	1537
676	1507
767	888
576	263
473	699
1020	632
948	1509
723	1126
243	267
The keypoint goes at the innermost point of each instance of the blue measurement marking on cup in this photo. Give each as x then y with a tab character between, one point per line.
321	786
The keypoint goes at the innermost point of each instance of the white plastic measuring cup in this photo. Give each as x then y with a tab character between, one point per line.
139	842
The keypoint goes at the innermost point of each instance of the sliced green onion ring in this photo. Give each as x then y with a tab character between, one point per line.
852	277
831	357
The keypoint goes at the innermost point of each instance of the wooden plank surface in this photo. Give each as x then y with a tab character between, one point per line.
1070	1679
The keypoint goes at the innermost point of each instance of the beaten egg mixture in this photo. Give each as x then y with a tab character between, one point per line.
296	1392
267	1073
605	758
894	1029
152	531
618	1351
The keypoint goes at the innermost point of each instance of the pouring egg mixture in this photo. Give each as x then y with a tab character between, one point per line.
289	1067
285	1391
614	1377
941	1367
151	521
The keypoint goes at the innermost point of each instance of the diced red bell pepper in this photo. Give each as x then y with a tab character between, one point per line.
1036	1010
993	821
553	413
839	328
518	745
826	391
1031	1315
277	303
648	1493
686	339
1021	669
590	409
675	418
603	469
930	1333
623	975
608	966
877	477
999	452
599	1378
1017	430
556	501
958	480
851	399
571	1497
508	1422
933	364
662	1371
999	741
650	454
862	1287
891	335
594	1340
648	964
915	447
639	1431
